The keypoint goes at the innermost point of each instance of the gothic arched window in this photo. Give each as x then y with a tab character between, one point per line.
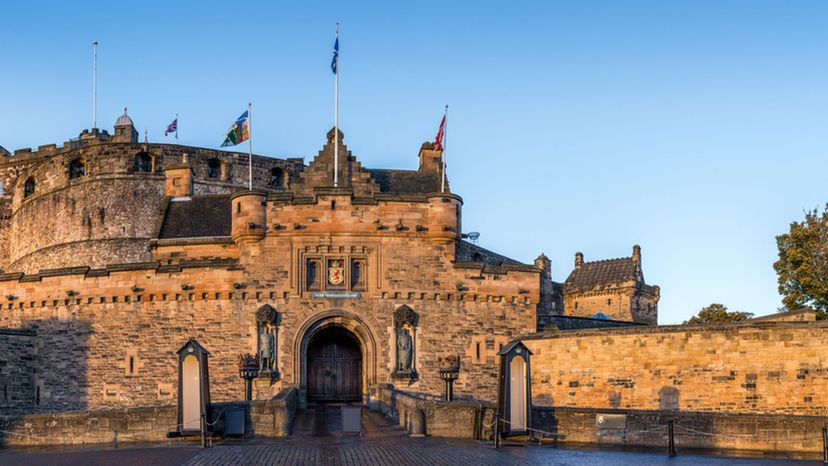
143	163
29	187
214	168
77	169
277	178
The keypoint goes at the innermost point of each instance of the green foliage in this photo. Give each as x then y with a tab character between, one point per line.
718	314
803	264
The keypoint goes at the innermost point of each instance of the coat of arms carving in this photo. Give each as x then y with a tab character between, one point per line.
336	273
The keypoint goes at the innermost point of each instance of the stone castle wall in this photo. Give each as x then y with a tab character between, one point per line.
94	325
775	368
109	214
17	390
623	303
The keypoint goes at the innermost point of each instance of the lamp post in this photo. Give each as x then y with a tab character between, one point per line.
449	371
248	370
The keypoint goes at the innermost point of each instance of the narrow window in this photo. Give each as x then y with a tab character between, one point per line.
277	178
477	351
312	275
143	163
609	302
333	205
576	304
131	365
29	187
37	395
77	169
5	394
238	208
214	168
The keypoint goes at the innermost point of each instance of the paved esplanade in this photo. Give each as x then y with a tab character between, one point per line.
317	441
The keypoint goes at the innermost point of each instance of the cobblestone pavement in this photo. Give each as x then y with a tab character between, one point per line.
318	441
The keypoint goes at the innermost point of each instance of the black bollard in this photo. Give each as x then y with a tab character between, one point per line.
824	445
203	431
671	440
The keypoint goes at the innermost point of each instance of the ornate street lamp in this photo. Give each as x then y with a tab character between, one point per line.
449	371
248	370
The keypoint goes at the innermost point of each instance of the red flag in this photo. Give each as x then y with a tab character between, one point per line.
438	141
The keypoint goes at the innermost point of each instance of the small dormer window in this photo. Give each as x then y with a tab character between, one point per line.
77	169
29	187
277	178
143	163
214	168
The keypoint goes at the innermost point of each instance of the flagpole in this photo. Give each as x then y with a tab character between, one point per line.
336	113
445	131
250	145
94	84
176	127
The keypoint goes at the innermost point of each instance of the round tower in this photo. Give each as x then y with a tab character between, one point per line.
249	216
444	216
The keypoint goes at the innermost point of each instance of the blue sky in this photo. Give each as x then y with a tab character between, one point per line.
695	128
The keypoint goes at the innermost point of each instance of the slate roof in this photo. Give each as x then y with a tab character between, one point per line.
199	217
468	252
405	181
604	272
3	151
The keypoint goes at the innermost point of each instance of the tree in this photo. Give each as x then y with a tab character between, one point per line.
803	264
718	314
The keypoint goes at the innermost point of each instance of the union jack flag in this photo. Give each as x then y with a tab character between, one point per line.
172	128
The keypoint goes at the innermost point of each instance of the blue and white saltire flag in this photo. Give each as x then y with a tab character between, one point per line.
335	60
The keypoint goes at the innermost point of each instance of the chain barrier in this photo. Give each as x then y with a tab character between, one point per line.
671	434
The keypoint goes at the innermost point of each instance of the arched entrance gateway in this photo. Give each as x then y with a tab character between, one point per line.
335	358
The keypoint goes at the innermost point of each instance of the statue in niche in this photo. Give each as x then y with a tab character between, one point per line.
267	321
267	348
405	325
404	348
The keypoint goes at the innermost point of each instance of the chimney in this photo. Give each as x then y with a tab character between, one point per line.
636	257
543	263
430	158
579	260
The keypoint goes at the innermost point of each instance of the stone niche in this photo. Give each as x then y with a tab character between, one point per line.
405	344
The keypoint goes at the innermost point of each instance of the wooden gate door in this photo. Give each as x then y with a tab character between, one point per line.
334	367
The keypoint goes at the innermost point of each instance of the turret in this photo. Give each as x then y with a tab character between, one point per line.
249	216
542	262
444	216
179	179
125	129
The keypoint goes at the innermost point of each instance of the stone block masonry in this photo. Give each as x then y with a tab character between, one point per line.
763	368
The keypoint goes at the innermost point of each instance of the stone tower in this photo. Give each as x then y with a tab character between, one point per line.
125	129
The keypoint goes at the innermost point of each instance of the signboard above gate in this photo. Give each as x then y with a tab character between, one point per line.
335	294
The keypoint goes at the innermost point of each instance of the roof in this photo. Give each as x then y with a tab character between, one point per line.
604	272
124	120
3	151
468	252
406	181
198	217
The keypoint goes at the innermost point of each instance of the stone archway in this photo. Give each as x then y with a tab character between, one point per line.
331	323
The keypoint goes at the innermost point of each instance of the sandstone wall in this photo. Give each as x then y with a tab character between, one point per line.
750	368
109	214
764	433
17	368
